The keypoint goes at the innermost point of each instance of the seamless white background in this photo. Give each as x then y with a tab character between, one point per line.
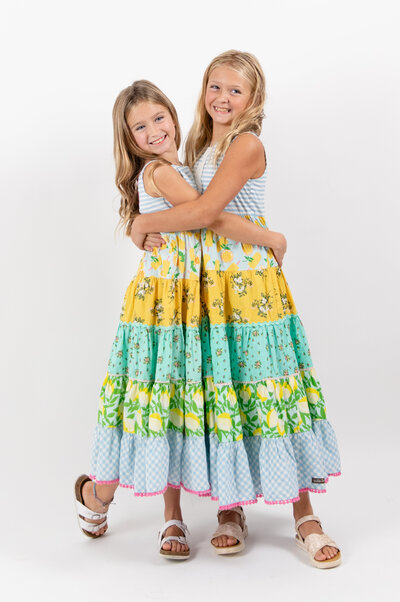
332	140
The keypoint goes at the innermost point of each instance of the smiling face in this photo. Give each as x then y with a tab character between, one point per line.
228	94
153	129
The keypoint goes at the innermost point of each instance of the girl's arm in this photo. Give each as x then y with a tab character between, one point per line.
236	168
170	184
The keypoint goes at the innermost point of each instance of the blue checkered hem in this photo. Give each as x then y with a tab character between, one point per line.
149	465
234	473
276	469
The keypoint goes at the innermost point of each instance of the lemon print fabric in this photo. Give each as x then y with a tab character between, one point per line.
267	431
150	431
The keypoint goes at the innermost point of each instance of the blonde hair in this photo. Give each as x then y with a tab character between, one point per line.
200	134
129	158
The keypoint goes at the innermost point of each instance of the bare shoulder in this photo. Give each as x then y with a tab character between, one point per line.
249	143
249	151
157	175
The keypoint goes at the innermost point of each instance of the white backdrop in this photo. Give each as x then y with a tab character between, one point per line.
332	140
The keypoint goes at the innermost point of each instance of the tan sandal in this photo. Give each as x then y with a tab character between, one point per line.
231	529
316	541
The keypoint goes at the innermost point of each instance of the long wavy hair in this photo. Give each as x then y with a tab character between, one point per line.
129	158
200	134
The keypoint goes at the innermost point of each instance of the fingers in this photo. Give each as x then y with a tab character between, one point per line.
153	239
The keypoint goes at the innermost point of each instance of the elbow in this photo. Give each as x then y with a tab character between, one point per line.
208	216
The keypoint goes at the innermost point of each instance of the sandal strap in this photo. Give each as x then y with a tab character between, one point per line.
87	513
239	510
231	529
178	538
316	541
305	519
91	527
178	523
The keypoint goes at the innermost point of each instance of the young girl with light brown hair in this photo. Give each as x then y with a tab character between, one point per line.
150	429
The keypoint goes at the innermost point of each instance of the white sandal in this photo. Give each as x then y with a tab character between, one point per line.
316	541
231	529
170	554
82	511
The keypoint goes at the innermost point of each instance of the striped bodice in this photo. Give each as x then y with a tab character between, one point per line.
248	201
149	204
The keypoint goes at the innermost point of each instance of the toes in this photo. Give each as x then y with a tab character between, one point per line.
224	541
231	541
167	546
326	553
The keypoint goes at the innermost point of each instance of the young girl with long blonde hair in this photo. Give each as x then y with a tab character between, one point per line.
266	428
150	430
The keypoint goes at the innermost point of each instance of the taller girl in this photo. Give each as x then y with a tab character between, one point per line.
267	429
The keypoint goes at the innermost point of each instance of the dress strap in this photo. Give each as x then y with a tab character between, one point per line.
145	165
198	170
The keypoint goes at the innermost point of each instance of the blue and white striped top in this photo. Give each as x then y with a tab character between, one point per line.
248	201
149	204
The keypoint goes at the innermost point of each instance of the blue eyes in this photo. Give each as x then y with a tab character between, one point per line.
215	87
157	119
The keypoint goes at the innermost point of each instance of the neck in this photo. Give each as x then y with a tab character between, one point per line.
171	156
219	131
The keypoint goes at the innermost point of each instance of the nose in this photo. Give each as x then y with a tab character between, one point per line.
152	129
223	96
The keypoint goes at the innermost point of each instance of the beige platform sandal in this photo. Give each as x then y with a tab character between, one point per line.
316	541
231	529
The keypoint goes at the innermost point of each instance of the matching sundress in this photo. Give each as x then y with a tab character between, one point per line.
210	384
267	432
150	428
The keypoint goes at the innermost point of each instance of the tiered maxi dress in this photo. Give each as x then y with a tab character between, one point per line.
266	430
150	428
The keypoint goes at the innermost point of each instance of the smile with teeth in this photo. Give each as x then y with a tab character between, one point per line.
221	110
159	140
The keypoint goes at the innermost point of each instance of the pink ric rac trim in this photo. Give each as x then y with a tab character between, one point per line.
334	474
125	486
93	478
312	490
200	493
295	499
236	504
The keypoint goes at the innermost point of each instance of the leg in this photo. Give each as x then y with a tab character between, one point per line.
303	508
98	498
172	501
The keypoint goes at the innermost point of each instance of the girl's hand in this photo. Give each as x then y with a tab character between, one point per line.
279	247
138	239
153	239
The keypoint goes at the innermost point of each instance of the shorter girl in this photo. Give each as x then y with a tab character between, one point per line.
150	431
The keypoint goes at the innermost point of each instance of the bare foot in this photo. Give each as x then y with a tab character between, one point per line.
223	541
173	511
90	502
174	546
327	552
303	508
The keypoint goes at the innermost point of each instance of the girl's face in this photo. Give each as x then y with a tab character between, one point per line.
152	128
227	95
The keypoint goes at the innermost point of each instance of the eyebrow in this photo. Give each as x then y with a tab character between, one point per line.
215	81
152	117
